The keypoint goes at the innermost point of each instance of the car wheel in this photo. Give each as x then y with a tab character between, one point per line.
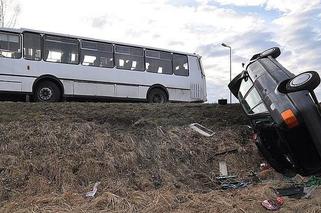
274	52
276	160
304	81
47	91
157	96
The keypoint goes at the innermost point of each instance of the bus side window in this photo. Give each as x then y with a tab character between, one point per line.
61	49
158	62
129	58
10	45
97	54
32	46
180	65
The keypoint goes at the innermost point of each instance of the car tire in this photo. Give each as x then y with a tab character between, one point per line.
277	161
304	81
157	96
274	52
47	91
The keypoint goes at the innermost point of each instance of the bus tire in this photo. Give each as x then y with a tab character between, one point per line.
157	95
47	91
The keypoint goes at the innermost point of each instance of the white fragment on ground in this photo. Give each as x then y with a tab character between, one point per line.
223	169
202	130
93	192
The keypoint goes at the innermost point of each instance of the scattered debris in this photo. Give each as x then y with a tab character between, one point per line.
230	150
266	172
265	175
93	192
235	185
223	168
254	177
202	130
292	191
222	178
264	166
224	173
308	191
273	205
229	182
159	128
313	181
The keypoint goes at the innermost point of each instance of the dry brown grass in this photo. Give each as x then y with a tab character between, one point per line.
145	156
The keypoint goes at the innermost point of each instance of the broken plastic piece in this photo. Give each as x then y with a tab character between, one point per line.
226	151
221	178
292	191
93	192
308	191
223	168
235	185
273	205
202	130
313	181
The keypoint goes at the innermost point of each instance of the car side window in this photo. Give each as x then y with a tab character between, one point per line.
253	103
250	98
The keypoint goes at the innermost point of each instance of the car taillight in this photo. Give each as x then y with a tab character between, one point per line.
289	118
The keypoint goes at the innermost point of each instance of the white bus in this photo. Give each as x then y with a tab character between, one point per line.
51	67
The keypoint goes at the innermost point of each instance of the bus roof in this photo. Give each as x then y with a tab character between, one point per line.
21	30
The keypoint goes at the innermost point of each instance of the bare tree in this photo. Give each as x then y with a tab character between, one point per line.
9	12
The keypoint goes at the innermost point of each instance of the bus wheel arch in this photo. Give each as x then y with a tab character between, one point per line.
157	94
47	88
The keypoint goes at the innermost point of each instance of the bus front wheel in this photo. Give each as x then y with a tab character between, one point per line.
47	91
157	96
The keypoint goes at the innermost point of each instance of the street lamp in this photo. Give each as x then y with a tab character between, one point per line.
227	46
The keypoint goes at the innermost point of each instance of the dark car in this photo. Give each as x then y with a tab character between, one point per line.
284	113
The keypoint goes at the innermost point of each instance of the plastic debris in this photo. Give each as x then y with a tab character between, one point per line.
292	192
202	130
273	205
308	191
222	178
93	192
226	151
224	173
313	181
235	185
264	166
223	168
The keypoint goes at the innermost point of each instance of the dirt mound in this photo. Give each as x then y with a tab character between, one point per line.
145	156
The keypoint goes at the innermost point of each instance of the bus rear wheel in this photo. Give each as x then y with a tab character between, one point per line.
47	91
157	96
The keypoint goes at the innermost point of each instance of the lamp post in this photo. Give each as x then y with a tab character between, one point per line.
227	46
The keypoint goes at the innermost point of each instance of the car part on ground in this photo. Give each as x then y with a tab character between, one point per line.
202	130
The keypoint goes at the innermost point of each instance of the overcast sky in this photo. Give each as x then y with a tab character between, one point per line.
200	26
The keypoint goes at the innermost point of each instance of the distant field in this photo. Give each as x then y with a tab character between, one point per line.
145	156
